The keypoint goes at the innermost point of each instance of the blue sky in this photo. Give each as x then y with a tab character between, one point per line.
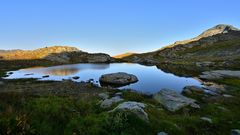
110	26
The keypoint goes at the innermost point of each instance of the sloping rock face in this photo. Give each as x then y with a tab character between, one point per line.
119	78
173	101
134	107
220	74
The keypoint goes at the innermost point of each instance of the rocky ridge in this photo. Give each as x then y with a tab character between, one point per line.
61	54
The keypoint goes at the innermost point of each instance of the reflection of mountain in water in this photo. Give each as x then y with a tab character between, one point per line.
65	70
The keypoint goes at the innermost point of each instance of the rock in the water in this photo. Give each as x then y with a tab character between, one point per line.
235	132
206	119
119	78
219	74
45	76
109	102
162	133
76	77
134	107
188	90
173	101
103	95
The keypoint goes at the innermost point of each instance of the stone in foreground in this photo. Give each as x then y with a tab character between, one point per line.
134	107
162	133
118	79
109	102
104	95
173	101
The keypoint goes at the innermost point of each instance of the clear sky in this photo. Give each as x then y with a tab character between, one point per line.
110	26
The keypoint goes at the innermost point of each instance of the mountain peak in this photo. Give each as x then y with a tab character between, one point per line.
218	29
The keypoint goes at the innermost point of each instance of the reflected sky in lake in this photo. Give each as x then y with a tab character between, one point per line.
151	79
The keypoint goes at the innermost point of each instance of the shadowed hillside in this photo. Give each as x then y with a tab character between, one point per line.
219	44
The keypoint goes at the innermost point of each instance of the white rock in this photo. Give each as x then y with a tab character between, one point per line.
206	119
134	107
173	101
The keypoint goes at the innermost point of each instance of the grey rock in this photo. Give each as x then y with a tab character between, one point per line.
119	78
235	132
118	94
162	133
188	90
205	64
227	96
134	107
109	102
215	88
103	95
219	74
206	119
1	83
173	101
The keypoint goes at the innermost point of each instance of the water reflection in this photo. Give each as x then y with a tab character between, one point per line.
151	79
66	70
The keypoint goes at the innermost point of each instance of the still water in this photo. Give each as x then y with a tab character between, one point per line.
151	79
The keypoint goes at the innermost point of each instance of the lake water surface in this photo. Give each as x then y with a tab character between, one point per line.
151	79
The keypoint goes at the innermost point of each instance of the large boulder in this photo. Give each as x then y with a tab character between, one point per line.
118	79
219	74
134	107
173	101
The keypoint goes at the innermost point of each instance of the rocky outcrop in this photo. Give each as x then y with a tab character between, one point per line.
38	53
109	102
60	54
134	107
219	74
118	79
173	101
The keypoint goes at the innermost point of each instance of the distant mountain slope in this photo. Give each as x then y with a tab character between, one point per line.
220	43
123	55
63	54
